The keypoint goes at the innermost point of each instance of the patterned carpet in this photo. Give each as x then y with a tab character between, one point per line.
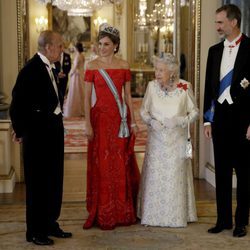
76	142
135	237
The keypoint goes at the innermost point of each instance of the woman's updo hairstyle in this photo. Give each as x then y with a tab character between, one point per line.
106	30
79	47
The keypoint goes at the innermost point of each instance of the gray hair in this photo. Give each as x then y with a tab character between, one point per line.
45	37
170	61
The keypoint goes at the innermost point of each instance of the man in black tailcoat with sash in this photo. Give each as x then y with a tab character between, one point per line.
227	118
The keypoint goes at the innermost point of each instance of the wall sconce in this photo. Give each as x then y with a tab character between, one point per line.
118	9
41	24
97	22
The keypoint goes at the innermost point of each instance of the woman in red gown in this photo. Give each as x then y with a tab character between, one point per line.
112	171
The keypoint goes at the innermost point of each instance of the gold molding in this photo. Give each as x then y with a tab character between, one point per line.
210	167
49	8
9	175
196	79
130	27
22	49
19	34
22	32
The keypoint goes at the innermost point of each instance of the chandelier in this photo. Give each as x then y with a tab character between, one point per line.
162	16
41	23
140	18
80	7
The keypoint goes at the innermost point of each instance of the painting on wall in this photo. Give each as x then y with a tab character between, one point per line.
72	28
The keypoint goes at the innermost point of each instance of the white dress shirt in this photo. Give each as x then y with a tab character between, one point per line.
227	64
49	67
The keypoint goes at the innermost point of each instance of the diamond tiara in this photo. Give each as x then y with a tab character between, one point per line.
105	27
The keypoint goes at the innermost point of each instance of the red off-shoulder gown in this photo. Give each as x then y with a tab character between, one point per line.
112	171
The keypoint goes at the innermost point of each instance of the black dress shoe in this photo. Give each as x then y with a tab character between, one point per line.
42	241
28	237
240	231
218	229
59	233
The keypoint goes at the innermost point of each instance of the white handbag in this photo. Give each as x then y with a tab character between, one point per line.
188	146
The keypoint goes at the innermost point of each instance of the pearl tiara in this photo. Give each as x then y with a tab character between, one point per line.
105	27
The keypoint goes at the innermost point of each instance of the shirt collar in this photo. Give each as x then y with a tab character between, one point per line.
62	58
46	61
234	43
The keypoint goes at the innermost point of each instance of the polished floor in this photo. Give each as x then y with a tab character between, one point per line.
75	168
203	192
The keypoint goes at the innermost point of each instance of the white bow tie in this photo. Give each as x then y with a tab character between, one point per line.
50	66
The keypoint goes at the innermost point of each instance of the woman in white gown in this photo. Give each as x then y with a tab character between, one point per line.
166	194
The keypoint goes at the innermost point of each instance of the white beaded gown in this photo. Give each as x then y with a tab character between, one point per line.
166	195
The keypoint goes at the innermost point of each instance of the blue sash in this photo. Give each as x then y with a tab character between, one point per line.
209	115
124	131
226	81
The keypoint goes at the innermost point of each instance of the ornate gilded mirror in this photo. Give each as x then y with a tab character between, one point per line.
153	29
161	26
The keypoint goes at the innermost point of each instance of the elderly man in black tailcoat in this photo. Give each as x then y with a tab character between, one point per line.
36	115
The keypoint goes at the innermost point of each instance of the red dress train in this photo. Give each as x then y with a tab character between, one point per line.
112	172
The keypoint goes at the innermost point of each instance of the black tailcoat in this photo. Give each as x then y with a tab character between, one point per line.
65	68
231	149
33	103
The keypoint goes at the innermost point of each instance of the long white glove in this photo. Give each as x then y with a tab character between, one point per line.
156	125
181	121
170	123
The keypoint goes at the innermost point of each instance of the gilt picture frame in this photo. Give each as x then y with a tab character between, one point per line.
72	28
